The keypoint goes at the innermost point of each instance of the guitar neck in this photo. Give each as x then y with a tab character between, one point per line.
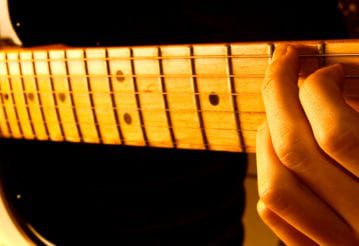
186	96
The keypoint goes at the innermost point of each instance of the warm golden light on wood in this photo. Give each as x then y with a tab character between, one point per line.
180	96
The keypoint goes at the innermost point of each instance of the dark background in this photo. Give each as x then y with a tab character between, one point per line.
78	194
79	22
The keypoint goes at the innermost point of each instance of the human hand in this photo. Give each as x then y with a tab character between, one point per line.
308	156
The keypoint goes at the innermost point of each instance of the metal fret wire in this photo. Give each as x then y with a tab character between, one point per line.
128	92
212	76
150	76
154	110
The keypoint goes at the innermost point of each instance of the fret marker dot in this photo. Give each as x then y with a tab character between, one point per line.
30	96
120	76
213	99
62	96
6	96
127	118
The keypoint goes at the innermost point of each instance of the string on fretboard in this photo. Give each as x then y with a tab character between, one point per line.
197	97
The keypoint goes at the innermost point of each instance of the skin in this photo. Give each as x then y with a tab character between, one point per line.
308	155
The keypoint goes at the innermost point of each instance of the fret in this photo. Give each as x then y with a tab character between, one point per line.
16	87
99	87
126	107
248	89
234	98
40	97
91	97
308	64
8	99
182	106
82	99
165	98
321	51
47	99
350	65
4	119
198	101
192	97
137	96
113	100
31	94
150	100
214	94
65	104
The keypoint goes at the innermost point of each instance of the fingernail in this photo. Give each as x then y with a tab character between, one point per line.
338	68
280	50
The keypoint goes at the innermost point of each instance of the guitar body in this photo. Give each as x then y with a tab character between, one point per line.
94	194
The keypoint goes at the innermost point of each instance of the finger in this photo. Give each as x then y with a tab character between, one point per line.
322	100
280	51
283	194
286	118
284	67
294	142
288	234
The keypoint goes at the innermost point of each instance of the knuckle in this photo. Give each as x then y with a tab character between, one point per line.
291	152
268	217
337	140
263	211
276	199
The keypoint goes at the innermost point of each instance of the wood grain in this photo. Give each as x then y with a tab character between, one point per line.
204	96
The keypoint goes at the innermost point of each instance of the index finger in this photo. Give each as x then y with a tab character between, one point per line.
280	96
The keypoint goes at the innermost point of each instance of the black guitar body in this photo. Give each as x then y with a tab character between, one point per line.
79	194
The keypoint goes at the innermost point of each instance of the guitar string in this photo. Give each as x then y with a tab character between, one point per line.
123	107
176	94
150	76
138	76
155	57
158	76
110	109
107	124
103	108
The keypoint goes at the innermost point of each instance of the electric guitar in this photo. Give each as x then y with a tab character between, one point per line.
204	97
